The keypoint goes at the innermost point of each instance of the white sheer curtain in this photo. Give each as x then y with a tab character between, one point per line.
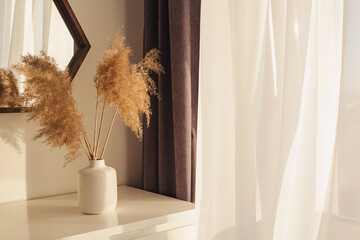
270	74
29	26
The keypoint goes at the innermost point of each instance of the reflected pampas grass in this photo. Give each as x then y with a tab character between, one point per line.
9	92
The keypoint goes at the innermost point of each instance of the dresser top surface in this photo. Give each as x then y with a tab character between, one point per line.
59	216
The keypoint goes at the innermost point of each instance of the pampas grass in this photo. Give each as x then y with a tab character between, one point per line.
9	92
48	94
124	86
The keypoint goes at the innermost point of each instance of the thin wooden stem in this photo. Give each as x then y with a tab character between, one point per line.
100	128
87	145
95	128
87	154
108	134
86	141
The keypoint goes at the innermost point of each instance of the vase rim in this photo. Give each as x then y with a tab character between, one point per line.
97	163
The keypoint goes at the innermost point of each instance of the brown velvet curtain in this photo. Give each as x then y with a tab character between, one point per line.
169	157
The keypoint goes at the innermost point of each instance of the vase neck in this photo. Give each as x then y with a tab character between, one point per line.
97	163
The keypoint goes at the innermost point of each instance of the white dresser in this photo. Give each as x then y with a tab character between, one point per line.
139	215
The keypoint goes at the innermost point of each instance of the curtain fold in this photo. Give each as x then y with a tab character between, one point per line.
170	141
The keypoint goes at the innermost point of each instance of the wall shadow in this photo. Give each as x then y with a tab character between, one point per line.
12	130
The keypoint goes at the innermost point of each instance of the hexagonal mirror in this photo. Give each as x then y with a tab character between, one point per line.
30	26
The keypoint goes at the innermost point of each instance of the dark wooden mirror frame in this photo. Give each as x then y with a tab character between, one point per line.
80	40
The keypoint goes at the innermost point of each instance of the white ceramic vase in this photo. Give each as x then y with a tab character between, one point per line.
97	188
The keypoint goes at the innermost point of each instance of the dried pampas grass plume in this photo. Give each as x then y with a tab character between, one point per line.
48	93
9	92
119	84
127	86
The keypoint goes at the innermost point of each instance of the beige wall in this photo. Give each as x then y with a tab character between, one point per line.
30	169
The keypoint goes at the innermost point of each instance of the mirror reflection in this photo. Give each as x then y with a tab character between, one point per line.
28	27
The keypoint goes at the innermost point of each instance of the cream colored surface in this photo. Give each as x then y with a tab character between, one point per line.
30	169
138	215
